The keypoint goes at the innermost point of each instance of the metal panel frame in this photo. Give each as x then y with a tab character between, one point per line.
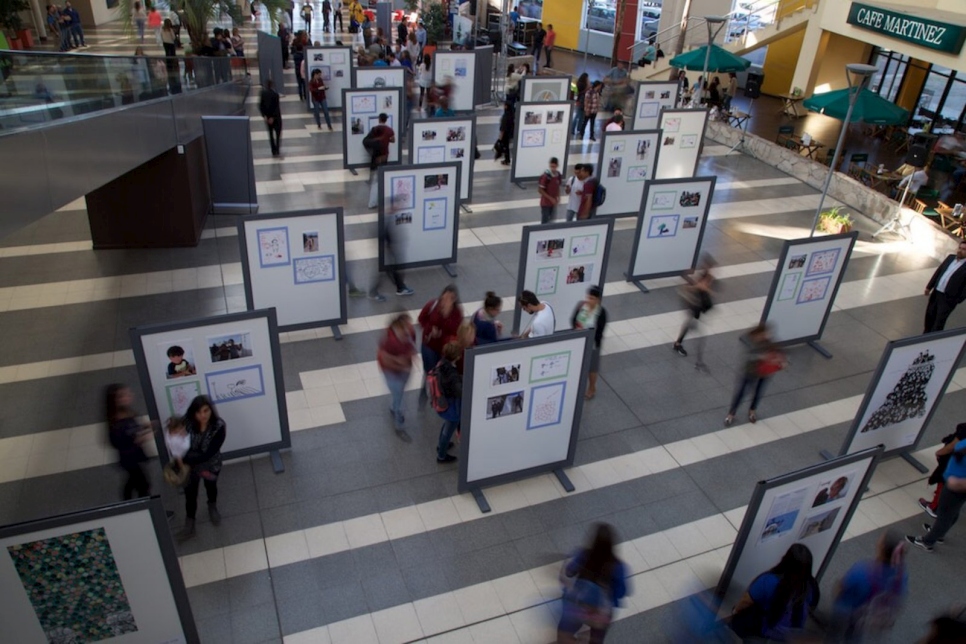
600	166
448	119
516	137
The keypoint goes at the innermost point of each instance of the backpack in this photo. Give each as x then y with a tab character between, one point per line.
600	194
370	144
434	389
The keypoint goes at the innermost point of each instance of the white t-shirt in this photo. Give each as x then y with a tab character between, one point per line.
613	127
916	180
544	322
177	444
576	192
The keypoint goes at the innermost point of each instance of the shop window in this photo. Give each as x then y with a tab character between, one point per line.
531	9
600	16
648	19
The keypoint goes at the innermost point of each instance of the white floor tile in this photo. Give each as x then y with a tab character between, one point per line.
203	568
438	614
397	625
244	558
365	531
517	591
438	514
326	539
403	522
479	602
536	625
356	630
495	630
286	548
318	635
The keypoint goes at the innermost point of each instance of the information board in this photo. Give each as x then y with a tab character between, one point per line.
335	62
361	114
625	164
545	89
442	140
459	68
652	97
542	131
682	135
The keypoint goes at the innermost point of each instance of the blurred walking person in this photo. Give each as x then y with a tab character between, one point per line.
762	361
951	501
451	386
270	107
590	314
697	297
396	352
127	435
504	144
439	320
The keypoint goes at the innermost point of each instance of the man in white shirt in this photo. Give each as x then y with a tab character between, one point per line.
946	289
574	187
915	181
544	322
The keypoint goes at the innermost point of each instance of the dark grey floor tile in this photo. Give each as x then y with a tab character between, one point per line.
333	570
214	630
254	625
426	580
209	600
385	590
346	600
247	591
301	613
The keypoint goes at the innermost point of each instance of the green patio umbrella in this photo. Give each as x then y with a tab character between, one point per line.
718	60
869	107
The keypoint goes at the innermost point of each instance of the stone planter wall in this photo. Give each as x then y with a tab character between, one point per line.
926	235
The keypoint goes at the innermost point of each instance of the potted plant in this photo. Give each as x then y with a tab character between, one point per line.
11	21
434	20
834	221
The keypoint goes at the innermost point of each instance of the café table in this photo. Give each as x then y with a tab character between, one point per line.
950	221
790	105
879	181
809	148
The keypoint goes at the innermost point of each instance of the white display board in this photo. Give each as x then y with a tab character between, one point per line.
294	262
522	402
545	89
443	140
378	77
559	262
542	131
908	384
803	289
233	359
361	114
121	554
811	506
682	135
625	164
670	227
652	97
419	212
336	65
458	67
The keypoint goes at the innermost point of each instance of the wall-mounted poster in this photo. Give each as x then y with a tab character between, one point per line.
652	97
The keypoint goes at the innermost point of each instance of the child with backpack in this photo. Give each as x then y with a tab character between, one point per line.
549	189
592	193
445	388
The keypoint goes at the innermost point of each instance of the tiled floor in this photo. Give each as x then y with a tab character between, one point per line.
364	538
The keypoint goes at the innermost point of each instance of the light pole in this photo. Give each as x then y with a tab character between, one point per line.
862	73
715	24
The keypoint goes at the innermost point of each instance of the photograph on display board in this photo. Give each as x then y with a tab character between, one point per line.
339	73
402	192
387	102
504	405
650	94
818	523
310	242
356	126
326	72
690	199
429	135
665	95
796	261
649	109
908	398
433	182
643	147
669	140
533	138
546	405
456	134
365	104
273	247
533	118
637	173
672	124
403	218
549	248
823	262
789	286
545	91
813	290
663	200
555	117
617	146
434	213
179	356
547	280
505	375
236	384
831	491
431	154
374	121
689	141
318	57
235	346
457	153
614	167
549	367
690	222
663	226
460	68
584	245
180	395
580	273
314	269
783	514
74	587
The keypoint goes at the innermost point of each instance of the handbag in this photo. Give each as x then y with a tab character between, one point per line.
175	476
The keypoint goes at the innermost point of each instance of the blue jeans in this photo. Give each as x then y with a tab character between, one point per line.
397	387
324	107
139	23
747	381
77	31
449	427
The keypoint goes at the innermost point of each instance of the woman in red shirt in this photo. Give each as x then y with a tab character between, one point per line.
439	320
395	357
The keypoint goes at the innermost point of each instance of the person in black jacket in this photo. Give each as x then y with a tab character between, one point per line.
505	141
207	432
590	314
451	383
270	107
127	435
946	289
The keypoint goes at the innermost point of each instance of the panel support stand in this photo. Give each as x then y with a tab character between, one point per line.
449	270
564	481
909	458
519	185
827	455
277	464
336	333
480	499
637	283
353	172
466	208
822	350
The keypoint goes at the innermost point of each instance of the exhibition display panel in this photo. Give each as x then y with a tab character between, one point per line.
522	403
232	179
294	262
361	114
542	131
378	77
419	215
670	228
107	574
545	89
233	359
335	62
625	164
444	140
559	262
803	289
812	506
682	135
458	67
905	390
652	97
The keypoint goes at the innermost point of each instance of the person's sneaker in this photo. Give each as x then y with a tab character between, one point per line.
377	297
679	350
449	458
356	292
188	530
918	542
405	291
214	514
924	504
927	527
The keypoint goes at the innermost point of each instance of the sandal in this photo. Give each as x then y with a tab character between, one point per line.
730	418
752	416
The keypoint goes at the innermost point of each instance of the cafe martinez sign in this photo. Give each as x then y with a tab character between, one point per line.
924	32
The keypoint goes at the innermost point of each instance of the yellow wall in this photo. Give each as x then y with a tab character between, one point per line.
564	15
780	63
834	53
915	78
